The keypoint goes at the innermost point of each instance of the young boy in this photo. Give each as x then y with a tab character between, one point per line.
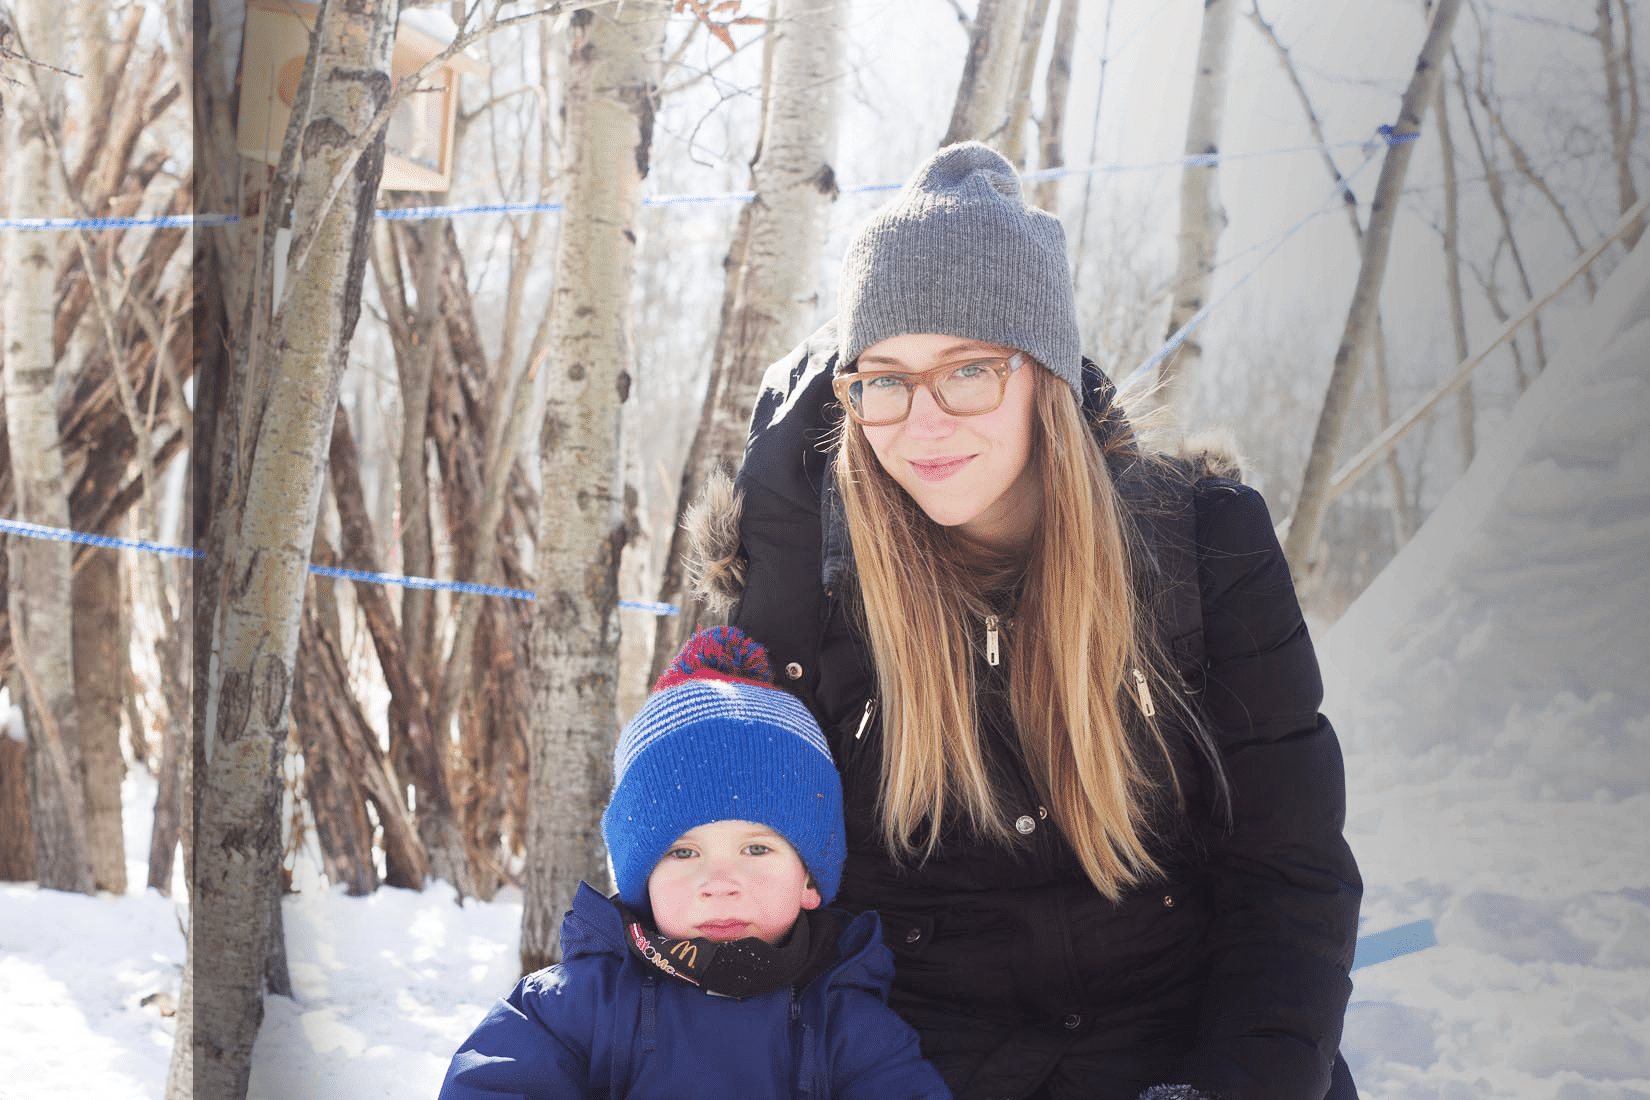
715	971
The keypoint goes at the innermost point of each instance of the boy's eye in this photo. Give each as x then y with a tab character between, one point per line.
680	853
757	848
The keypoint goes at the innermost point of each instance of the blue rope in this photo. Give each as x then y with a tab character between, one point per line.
165	221
60	534
424	213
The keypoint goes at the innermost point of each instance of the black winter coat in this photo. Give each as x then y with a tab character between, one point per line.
1231	974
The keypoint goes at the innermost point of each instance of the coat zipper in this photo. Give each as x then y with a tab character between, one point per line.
992	656
1146	706
865	719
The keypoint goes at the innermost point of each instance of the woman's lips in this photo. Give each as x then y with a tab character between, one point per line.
940	468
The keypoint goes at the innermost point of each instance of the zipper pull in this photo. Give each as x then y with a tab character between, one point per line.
1146	707
992	657
865	719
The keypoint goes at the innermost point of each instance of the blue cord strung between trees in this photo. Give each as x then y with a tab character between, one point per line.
425	213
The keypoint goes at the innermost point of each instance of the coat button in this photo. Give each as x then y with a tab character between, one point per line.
1072	1021
794	671
1168	901
1024	824
913	936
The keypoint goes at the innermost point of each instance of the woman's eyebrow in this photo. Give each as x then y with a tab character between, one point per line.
943	354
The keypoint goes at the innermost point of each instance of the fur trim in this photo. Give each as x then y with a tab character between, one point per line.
1176	1092
715	566
1213	453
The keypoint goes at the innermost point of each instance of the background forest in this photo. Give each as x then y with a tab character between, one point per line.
237	346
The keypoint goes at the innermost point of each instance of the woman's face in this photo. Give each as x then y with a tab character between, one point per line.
973	473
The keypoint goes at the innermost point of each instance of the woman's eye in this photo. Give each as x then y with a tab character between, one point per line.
971	370
886	382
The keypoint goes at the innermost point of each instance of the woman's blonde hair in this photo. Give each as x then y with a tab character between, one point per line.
1072	645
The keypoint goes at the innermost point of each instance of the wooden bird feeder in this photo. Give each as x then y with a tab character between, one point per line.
419	136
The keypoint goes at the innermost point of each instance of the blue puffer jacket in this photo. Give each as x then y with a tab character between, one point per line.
601	1024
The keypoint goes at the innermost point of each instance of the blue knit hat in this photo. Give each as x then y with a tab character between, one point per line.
716	741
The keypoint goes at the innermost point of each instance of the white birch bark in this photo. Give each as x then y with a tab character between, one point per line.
610	98
1621	101
39	596
1300	543
1056	87
290	404
771	300
1025	72
983	108
1202	218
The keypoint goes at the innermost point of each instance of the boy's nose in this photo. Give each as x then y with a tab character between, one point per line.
718	883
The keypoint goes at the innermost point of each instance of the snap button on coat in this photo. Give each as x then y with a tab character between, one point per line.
1025	824
794	671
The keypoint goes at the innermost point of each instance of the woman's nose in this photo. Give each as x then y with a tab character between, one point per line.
926	416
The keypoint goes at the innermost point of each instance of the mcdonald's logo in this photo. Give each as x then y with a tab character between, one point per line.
685	953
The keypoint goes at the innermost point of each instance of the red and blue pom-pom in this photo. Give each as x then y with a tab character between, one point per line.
718	653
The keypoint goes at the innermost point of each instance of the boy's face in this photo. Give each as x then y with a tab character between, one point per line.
728	880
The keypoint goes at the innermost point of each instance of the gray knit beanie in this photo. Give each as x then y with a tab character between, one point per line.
959	252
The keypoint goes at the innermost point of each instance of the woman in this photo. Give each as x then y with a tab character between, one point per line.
1067	683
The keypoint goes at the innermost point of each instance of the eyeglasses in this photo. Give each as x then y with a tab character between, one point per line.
878	398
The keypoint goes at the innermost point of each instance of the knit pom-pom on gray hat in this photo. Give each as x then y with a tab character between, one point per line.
959	252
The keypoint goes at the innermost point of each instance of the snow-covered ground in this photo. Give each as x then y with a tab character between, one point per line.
1492	690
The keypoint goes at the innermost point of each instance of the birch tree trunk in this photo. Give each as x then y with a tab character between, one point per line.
1025	71
290	398
611	92
771	296
1300	543
39	574
1202	219
983	105
1621	100
1402	521
1056	87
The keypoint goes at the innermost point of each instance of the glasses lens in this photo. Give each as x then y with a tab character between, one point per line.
883	399
971	388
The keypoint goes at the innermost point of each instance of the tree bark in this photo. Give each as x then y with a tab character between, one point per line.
100	665
1025	72
983	105
1056	87
1621	102
1403	523
1202	219
16	833
1311	502
290	393
40	590
610	103
437	827
771	296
